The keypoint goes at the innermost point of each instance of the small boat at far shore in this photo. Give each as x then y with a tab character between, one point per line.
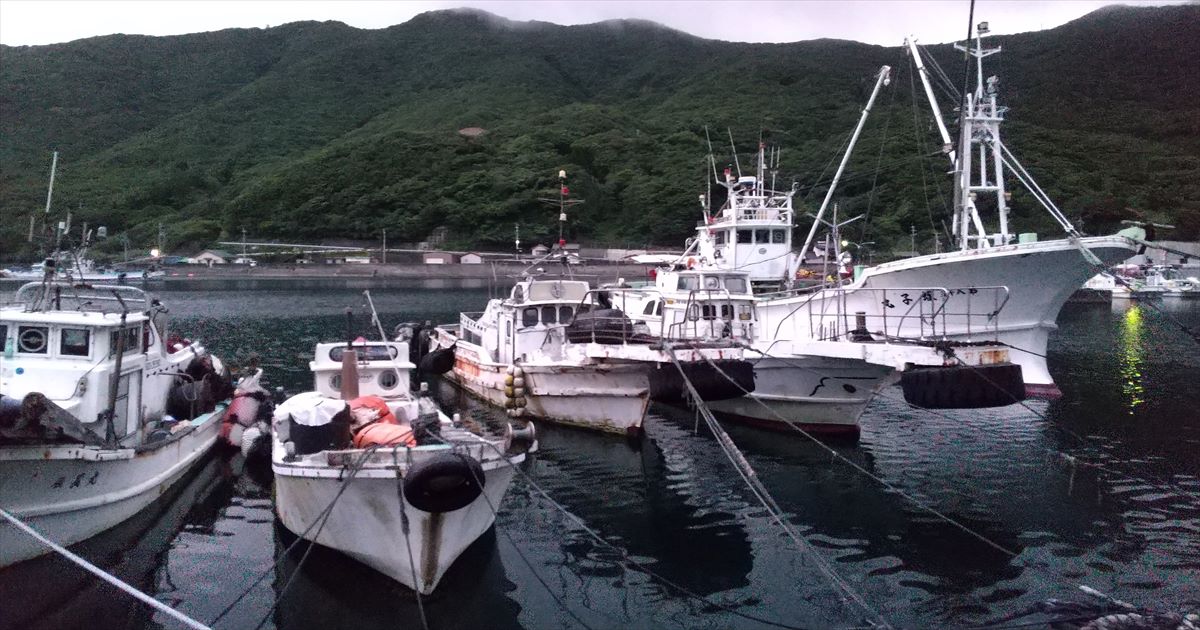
385	477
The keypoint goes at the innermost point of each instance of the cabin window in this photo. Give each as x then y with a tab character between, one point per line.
33	339
388	379
735	285
131	340
712	282
3	337
778	236
762	236
720	237
687	283
74	342
726	311
565	314
658	308
744	312
335	382
507	329
365	353
529	317
745	236
708	311
693	313
649	310
549	315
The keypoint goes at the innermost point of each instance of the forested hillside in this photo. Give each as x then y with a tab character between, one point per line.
319	130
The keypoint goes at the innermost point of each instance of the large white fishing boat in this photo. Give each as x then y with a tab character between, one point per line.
100	413
385	477
754	226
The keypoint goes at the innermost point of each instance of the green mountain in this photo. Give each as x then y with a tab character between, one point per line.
319	130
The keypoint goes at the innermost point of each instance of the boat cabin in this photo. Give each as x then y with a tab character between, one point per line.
521	326
66	349
706	303
383	368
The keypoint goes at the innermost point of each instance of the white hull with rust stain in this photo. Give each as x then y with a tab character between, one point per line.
365	522
611	397
71	493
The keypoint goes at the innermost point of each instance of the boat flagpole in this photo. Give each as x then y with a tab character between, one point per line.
50	190
883	79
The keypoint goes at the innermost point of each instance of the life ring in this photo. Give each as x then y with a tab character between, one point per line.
443	483
32	340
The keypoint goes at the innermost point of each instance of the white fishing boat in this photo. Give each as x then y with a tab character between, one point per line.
558	350
753	229
816	365
100	413
384	477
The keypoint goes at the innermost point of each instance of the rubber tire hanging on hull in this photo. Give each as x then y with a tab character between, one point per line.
443	483
666	384
964	386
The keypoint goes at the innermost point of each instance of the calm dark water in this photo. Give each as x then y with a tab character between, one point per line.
1130	528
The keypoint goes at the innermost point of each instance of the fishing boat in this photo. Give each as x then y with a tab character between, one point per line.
751	232
815	365
100	410
366	468
559	350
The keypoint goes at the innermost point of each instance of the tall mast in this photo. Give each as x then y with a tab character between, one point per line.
882	80
980	125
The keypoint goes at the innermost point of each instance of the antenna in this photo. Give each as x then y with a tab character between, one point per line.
711	159
733	147
50	190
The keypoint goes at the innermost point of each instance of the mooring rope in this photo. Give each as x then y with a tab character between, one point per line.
102	574
760	491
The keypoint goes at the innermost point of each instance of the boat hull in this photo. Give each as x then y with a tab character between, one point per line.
820	395
613	398
1040	277
70	493
365	522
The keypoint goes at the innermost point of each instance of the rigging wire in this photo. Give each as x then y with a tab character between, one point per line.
328	508
760	491
887	123
629	562
920	146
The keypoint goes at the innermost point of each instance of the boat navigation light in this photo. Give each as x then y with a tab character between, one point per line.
154	253
983	28
562	174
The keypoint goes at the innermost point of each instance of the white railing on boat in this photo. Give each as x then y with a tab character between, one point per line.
40	296
841	313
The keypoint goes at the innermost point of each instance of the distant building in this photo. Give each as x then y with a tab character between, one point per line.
539	251
471	258
212	257
440	258
357	260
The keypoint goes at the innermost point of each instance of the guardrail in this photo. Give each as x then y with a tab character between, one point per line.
858	314
42	296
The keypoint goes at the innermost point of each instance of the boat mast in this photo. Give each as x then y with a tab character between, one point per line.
50	190
884	78
980	125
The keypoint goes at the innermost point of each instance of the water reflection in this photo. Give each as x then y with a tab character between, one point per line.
1132	357
54	593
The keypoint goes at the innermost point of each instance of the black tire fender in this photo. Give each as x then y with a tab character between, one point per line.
443	483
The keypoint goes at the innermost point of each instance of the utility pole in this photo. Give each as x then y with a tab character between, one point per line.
912	239
384	257
243	242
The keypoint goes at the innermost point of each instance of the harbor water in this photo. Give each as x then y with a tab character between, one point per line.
1098	488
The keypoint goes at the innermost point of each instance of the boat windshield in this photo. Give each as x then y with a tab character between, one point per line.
366	353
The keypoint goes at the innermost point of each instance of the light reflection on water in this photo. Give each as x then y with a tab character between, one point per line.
1132	357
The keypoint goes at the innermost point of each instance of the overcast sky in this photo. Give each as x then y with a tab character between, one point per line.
885	22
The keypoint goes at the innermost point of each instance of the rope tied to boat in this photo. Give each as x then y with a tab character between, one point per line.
102	574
